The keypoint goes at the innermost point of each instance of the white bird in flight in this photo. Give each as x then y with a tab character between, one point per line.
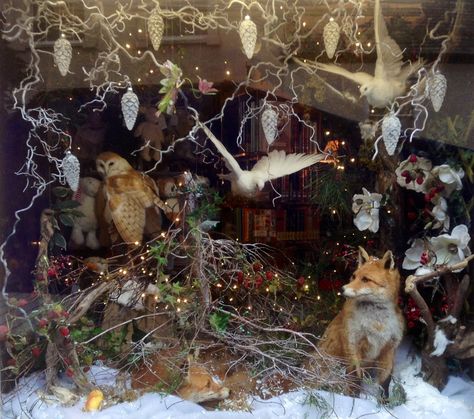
272	166
389	79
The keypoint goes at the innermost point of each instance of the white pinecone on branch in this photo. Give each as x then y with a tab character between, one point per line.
156	27
391	129
331	34
71	170
62	55
248	36
437	86
269	124
130	104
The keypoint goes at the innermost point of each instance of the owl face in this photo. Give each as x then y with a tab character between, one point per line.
111	164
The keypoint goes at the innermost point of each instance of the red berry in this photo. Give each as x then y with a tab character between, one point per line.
269	275
36	352
42	323
301	281
52	272
258	280
3	332
240	277
67	361
405	173
70	372
420	180
22	302
64	331
65	313
86	368
257	266
408	179
427	197
247	283
413	158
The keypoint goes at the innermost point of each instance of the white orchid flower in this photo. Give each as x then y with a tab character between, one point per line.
414	173
366	207
452	248
452	179
440	213
417	257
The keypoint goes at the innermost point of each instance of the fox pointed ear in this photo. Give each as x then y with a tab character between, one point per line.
363	256
388	260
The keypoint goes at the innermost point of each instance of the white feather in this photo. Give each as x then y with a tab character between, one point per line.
276	164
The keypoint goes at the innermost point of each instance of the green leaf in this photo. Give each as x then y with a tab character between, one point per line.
61	192
59	240
69	204
219	321
67	220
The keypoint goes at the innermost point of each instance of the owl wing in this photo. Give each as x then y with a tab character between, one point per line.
128	197
278	164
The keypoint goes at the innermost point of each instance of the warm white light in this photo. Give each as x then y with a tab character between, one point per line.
127	46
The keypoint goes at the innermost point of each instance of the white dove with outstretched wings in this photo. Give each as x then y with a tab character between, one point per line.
389	79
272	166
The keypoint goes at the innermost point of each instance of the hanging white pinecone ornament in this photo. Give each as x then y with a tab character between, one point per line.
269	124
331	34
248	36
71	170
156	26
391	129
130	104
437	85
62	54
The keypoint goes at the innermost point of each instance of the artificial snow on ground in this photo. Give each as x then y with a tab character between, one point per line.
456	401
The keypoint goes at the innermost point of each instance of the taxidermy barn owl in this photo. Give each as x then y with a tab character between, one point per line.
276	164
131	201
389	79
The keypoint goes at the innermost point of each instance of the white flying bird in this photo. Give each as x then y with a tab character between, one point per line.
276	164
389	80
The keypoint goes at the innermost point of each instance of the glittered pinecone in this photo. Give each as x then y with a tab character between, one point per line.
269	124
156	26
437	86
331	35
130	104
347	27
391	129
248	36
62	54
71	170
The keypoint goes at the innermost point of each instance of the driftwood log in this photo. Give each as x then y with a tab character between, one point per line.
459	341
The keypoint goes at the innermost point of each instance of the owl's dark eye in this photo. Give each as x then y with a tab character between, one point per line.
111	163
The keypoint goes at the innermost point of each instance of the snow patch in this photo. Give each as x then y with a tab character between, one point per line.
440	342
423	401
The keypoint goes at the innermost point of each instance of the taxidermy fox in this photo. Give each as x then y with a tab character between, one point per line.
198	385
370	326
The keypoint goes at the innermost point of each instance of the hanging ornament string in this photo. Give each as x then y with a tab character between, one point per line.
130	105
62	54
248	36
71	169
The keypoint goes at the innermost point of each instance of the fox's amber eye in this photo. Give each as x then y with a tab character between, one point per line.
364	279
